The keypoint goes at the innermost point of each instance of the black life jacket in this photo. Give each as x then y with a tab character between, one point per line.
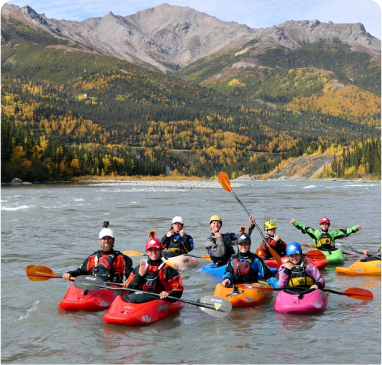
175	244
103	268
151	282
299	277
325	242
242	269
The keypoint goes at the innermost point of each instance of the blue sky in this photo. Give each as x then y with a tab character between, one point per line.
253	13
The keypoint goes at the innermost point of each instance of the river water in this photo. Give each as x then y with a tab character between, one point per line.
57	226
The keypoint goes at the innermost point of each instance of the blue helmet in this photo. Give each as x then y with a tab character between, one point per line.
293	248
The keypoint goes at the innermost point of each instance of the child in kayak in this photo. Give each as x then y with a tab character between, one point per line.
245	266
176	241
273	240
153	276
108	264
323	238
298	272
219	245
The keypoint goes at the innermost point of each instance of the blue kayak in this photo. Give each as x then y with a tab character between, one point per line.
220	270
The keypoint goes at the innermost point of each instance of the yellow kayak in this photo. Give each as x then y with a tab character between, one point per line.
362	268
247	295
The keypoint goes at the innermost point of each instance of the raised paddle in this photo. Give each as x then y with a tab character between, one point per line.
355	293
212	305
137	253
225	183
315	254
352	249
41	273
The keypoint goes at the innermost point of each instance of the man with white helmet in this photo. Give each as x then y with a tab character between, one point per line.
176	241
108	264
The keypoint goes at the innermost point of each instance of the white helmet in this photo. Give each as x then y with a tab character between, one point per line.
106	232
177	219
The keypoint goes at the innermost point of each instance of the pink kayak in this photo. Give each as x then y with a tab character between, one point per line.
315	301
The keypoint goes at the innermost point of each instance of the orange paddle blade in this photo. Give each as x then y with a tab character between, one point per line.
224	181
359	293
133	253
40	273
316	254
206	256
275	255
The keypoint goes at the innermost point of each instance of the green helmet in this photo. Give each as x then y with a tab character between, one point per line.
269	225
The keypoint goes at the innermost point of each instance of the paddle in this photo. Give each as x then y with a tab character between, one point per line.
311	245
355	293
41	273
212	305
352	249
316	255
225	183
137	253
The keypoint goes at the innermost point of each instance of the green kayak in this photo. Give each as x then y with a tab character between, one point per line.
335	257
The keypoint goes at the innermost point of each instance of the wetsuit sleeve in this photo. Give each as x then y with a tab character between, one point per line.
342	233
314	273
128	266
134	280
229	271
284	275
215	247
188	242
313	233
172	282
266	272
84	269
164	241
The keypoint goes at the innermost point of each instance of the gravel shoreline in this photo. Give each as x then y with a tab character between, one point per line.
179	184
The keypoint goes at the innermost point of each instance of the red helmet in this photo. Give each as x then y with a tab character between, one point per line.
153	242
325	220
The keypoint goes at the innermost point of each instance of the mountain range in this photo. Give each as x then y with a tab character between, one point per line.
176	90
172	37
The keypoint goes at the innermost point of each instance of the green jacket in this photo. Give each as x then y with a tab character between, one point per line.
318	234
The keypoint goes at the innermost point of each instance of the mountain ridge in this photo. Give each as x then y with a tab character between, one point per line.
171	37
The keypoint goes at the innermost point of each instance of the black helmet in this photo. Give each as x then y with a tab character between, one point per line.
243	237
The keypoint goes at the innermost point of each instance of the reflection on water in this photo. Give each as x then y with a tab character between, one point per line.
58	227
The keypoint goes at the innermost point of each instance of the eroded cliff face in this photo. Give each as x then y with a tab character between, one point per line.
172	37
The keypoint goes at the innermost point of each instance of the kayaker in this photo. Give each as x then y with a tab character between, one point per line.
153	276
245	266
176	241
323	238
219	245
297	271
273	240
370	257
108	264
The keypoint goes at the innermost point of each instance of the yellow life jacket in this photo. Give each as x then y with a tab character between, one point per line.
325	241
299	277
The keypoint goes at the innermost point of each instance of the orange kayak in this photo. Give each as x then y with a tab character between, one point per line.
246	296
366	268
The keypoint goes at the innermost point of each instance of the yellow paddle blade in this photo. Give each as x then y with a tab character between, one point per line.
224	181
133	253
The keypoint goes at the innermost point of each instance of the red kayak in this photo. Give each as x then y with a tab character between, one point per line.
320	264
87	300
133	314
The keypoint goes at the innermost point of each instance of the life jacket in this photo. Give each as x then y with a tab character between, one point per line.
325	242
151	283
175	244
242	272
103	268
299	277
279	247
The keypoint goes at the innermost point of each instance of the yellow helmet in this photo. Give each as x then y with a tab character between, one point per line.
269	225
216	218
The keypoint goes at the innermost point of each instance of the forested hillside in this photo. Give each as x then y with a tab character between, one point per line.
69	113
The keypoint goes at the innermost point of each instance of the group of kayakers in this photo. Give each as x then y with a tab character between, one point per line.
154	275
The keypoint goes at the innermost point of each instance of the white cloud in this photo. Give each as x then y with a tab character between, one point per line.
253	13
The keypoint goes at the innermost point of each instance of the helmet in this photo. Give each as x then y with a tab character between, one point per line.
177	219
216	218
269	225
293	248
325	220
243	237
153	242
106	232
